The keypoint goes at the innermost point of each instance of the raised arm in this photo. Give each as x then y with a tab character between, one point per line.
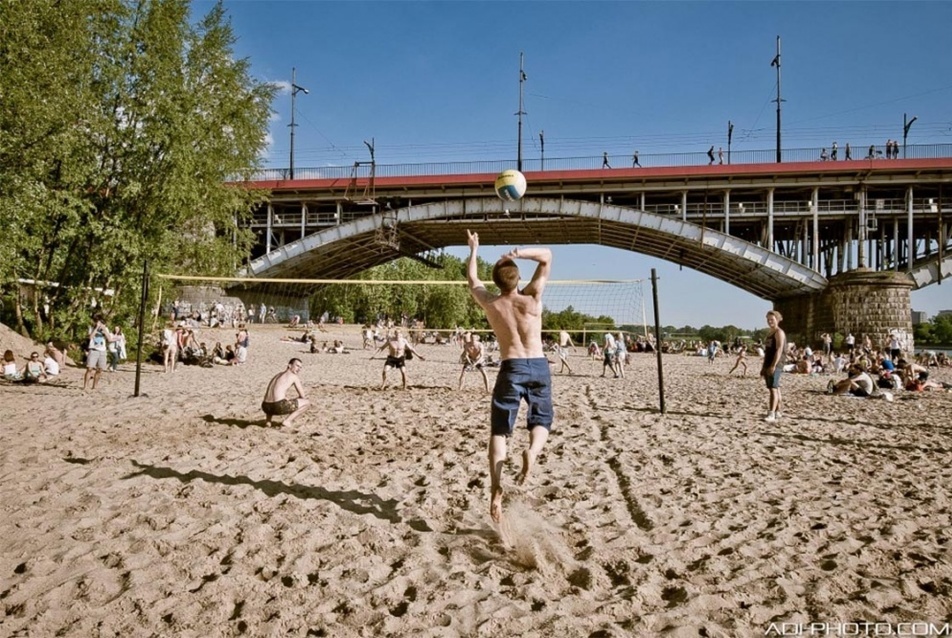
543	256
476	287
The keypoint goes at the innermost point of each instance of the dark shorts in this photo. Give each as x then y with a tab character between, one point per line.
395	362
279	408
520	379
772	380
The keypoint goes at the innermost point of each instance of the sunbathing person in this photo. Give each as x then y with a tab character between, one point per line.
10	372
922	382
33	371
858	383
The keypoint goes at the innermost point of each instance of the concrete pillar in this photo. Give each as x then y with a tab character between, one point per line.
861	238
727	212
910	242
770	193
815	209
268	230
860	301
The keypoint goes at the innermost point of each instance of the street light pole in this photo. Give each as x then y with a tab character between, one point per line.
541	150
520	113
294	91
776	63
906	125
730	136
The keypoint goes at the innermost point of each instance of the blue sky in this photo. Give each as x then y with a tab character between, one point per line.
438	82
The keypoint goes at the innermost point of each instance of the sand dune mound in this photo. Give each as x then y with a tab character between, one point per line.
20	345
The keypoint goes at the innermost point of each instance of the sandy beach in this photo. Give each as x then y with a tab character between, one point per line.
176	513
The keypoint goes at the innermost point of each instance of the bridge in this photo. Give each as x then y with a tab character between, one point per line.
822	240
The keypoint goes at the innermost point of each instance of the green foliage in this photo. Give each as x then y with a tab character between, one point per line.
935	332
437	305
121	124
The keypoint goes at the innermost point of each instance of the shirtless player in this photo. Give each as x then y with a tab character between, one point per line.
473	358
276	401
516	318
398	347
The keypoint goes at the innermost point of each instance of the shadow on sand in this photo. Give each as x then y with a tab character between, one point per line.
350	500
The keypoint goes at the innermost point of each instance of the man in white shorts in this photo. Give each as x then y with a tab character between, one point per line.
96	358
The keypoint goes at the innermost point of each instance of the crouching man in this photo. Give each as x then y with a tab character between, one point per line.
276	401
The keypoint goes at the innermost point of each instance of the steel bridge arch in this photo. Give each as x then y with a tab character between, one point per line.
933	271
342	251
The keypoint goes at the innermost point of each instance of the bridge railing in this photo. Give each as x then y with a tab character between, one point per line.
739	209
767	156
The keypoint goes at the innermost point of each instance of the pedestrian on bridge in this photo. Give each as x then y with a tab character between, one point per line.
605	163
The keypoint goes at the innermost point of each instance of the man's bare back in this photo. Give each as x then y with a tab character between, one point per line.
276	402
516	318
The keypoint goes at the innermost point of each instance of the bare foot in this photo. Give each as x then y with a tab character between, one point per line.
495	505
528	460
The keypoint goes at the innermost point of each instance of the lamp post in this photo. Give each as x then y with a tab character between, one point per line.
776	63
541	150
730	136
906	125
294	91
522	78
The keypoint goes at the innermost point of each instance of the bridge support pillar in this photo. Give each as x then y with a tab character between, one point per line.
864	302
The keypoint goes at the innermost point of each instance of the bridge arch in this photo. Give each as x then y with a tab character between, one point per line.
344	250
932	271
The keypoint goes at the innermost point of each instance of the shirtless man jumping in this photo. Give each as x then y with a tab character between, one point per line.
276	401
516	318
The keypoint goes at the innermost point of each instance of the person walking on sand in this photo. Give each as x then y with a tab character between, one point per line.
774	346
276	401
516	318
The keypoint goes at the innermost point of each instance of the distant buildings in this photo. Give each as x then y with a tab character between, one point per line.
919	316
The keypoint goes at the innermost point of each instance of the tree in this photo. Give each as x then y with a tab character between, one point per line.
123	128
942	329
438	305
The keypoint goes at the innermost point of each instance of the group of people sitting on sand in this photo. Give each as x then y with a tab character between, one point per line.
878	373
901	375
178	343
36	369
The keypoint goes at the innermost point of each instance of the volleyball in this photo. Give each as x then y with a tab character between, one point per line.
510	185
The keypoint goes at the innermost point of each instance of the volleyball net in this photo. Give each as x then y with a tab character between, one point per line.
575	306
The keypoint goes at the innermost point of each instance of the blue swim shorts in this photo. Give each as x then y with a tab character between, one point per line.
520	379
773	380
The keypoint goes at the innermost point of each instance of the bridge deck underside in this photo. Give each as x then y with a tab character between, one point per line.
345	257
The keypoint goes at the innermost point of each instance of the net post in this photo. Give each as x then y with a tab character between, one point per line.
657	323
142	304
